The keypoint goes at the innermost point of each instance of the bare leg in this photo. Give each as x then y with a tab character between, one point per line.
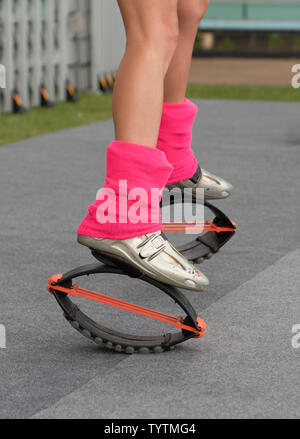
190	13
152	35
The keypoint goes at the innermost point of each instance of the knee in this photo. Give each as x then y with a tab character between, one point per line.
203	8
160	40
191	13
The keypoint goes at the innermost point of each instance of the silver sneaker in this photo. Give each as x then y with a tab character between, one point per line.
215	188
154	256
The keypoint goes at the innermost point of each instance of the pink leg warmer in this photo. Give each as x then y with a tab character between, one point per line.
175	139
128	204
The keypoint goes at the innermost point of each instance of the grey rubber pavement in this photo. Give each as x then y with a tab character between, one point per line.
244	367
252	371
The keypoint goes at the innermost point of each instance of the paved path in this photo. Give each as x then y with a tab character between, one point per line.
244	367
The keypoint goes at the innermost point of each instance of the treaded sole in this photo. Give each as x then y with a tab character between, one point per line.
129	350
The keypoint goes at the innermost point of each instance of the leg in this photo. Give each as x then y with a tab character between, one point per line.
190	13
178	116
125	223
152	32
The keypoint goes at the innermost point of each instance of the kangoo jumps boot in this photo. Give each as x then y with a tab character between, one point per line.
128	231
175	139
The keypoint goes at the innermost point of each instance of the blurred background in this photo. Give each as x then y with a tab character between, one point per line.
49	42
54	51
60	58
258	38
263	28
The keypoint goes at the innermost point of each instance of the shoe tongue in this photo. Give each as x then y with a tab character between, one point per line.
195	178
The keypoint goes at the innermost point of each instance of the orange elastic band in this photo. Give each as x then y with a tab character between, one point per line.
75	290
206	226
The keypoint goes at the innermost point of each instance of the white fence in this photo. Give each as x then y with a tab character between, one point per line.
51	41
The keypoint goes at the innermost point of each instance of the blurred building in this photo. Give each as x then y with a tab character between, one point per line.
281	15
266	27
49	42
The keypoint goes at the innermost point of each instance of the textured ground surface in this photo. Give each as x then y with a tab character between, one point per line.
244	367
